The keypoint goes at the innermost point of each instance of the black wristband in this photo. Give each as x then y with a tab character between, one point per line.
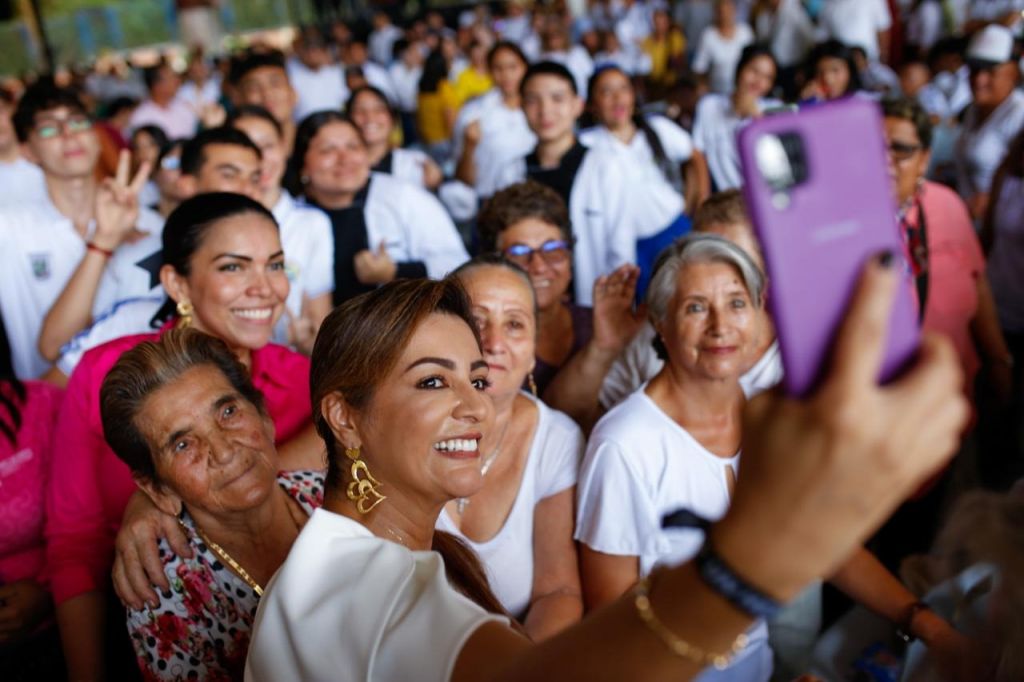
720	577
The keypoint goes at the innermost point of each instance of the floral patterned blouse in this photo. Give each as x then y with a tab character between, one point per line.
200	630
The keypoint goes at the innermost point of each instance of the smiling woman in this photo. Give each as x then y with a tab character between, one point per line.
223	271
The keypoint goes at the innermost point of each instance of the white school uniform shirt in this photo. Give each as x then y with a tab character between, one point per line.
981	148
41	250
789	32
993	10
717	56
317	90
856	23
405	82
924	25
381	42
378	77
348	606
639	363
551	467
600	212
308	242
715	126
128	273
124	318
413	225
579	63
21	182
947	94
641	465
504	137
407	165
657	202
196	97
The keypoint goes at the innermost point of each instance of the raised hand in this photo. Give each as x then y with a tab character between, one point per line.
615	321
117	204
375	267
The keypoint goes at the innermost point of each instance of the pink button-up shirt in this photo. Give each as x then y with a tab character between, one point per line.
90	486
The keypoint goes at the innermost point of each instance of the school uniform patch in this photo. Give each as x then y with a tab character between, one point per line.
40	265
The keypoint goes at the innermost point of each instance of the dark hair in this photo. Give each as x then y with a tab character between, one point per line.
752	52
548	68
160	138
151	74
118	105
508	46
435	71
193	153
949	46
358	345
304	134
398	48
370	90
150	366
661	159
907	109
527	199
254	111
721	208
833	49
187	227
251	60
43	96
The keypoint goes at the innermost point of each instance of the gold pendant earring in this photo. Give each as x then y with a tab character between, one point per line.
364	488
184	309
533	384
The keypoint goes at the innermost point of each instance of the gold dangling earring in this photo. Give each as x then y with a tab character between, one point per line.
184	309
363	490
532	383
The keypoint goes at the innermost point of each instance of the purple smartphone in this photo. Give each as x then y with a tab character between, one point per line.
818	190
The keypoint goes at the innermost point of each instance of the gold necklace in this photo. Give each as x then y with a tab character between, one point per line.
224	556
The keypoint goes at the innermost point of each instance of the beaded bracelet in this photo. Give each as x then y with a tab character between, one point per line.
679	646
725	581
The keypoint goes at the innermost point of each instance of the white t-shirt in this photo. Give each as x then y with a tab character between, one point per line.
601	214
346	605
551	467
378	77
406	83
308	243
789	31
504	137
177	119
41	250
21	181
924	25
195	97
413	225
981	148
317	90
657	201
641	465
124	318
856	23
715	126
993	10
717	56
1006	259
381	43
407	165
639	363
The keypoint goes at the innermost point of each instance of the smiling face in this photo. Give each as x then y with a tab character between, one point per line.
507	71
710	330
421	429
269	87
613	99
237	284
373	117
551	107
337	162
264	135
63	143
991	86
833	76
549	275
212	450
504	311
757	77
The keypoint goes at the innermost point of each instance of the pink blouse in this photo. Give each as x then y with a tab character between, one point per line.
90	486
24	470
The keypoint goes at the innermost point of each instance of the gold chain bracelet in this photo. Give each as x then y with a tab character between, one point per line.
679	646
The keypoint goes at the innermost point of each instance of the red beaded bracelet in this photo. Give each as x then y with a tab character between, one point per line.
98	249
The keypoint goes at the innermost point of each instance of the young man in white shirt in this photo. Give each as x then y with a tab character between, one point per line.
405	72
319	81
261	79
595	185
21	180
44	241
383	38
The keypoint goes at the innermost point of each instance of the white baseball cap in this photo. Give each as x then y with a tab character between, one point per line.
991	46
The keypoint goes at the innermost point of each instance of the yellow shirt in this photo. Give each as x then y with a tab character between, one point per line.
471	83
662	52
432	113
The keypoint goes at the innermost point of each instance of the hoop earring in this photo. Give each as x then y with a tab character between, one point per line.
364	488
532	383
184	309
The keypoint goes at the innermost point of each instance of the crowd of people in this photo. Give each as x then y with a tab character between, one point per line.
440	348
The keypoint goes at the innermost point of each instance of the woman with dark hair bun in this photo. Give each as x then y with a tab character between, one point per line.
719	117
223	271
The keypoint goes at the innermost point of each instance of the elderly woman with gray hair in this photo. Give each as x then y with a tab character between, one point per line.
668	455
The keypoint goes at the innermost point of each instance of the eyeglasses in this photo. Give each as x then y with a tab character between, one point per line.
171	163
73	125
553	251
901	151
